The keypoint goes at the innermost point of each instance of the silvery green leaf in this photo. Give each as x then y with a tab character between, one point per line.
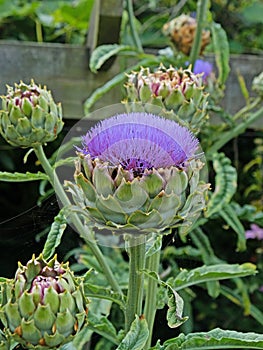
137	336
22	177
215	339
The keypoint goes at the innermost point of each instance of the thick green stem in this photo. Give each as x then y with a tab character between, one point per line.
134	34
85	234
202	6
152	264
136	246
39	33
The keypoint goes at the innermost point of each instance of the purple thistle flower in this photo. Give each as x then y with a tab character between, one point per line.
204	67
140	141
255	232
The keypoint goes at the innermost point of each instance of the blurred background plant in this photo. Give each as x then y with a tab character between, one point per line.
45	21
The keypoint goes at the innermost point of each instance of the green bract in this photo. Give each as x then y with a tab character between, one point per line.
114	198
44	306
29	116
179	92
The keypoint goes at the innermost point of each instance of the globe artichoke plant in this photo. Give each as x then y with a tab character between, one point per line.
178	92
44	306
138	172
29	115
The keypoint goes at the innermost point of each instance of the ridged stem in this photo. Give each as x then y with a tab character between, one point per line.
152	264
136	249
39	33
85	234
200	19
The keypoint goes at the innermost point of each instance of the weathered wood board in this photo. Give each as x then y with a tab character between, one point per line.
65	71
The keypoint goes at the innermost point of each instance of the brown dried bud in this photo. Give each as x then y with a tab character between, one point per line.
181	31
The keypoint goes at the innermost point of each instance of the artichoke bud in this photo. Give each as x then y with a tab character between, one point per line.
179	91
31	111
43	304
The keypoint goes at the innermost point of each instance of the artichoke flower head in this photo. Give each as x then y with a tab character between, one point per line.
44	306
137	172
29	116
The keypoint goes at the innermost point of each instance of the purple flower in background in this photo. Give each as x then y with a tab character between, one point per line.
204	67
140	141
255	232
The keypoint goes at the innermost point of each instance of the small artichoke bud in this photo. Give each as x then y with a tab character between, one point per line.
29	116
178	92
257	84
44	306
181	31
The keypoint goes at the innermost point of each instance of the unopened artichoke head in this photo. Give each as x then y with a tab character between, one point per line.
29	116
178	92
138	172
44	306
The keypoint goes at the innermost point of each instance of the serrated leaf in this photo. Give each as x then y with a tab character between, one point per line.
102	326
215	339
221	51
175	309
103	52
225	184
212	273
137	336
231	218
22	177
175	302
101	292
55	234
